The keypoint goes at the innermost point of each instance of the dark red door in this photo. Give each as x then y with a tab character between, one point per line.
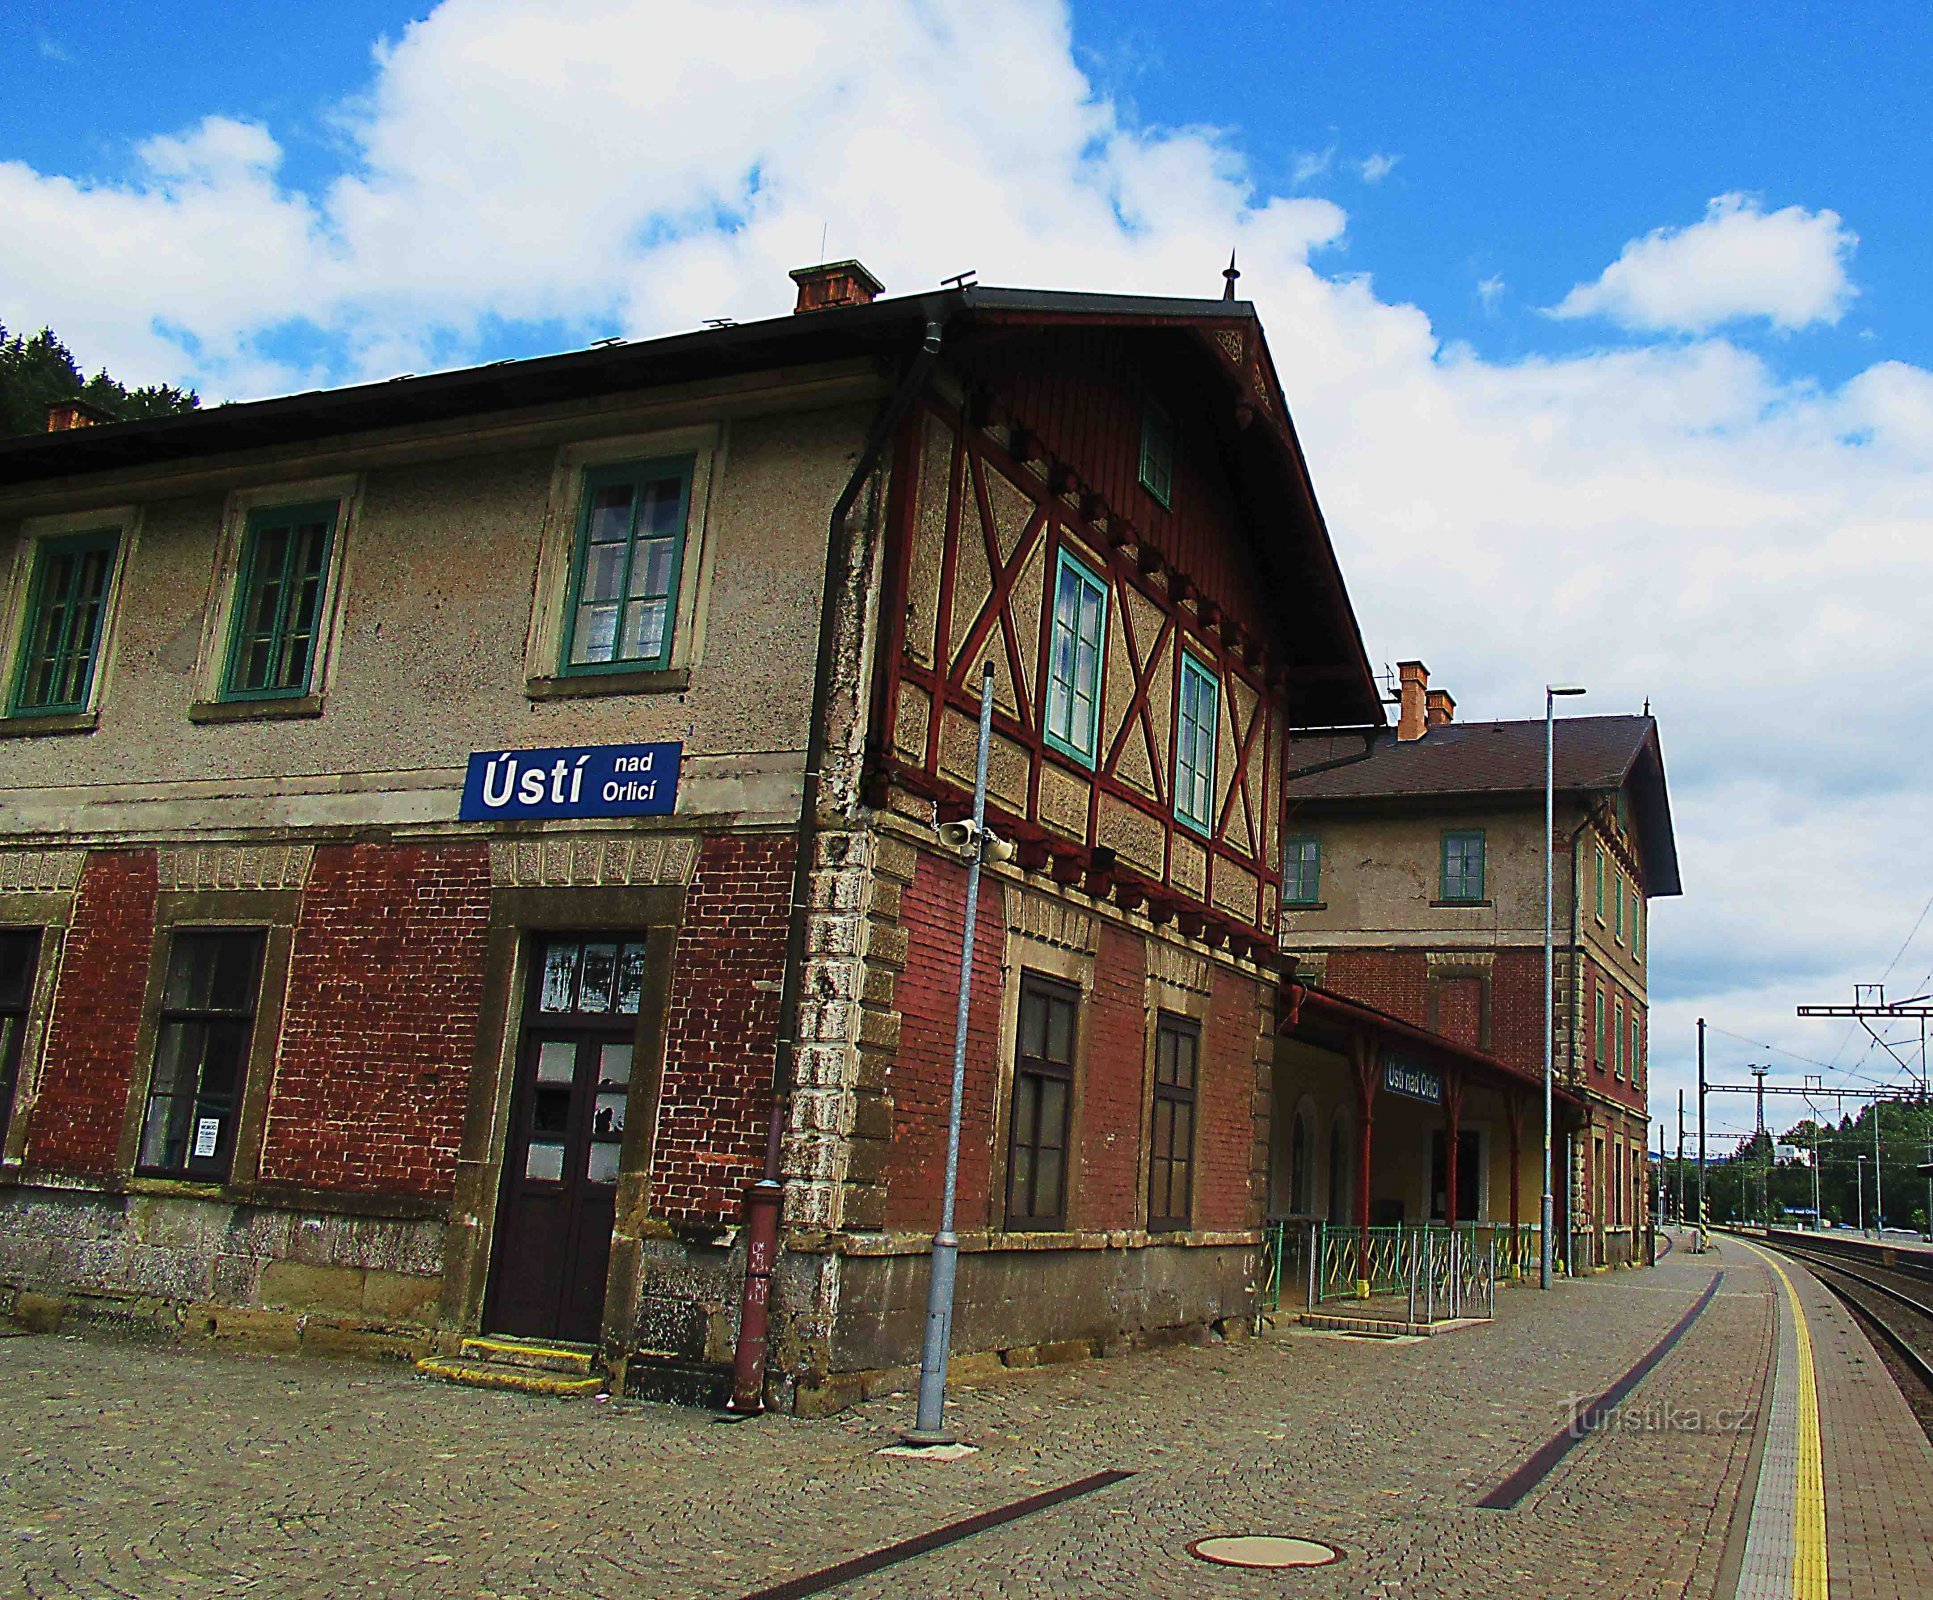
566	1133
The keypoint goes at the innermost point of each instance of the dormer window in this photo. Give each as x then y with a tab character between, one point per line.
1157	453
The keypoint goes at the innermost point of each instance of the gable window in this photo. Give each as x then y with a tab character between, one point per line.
1177	1052
1043	1089
1074	660
201	1049
1200	716
1157	453
1302	870
1463	865
279	597
19	954
60	647
626	566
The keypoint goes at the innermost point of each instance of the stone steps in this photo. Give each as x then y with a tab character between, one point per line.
522	1366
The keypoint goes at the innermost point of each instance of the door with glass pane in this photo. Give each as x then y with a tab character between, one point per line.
566	1133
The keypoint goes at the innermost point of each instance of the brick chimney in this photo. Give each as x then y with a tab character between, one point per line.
1439	708
75	413
1412	716
833	284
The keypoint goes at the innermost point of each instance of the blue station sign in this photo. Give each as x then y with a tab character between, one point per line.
1412	1083
599	780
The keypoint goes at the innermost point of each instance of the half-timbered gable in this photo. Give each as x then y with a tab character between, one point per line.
1208	571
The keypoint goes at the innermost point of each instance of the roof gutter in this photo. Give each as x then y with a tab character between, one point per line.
763	1199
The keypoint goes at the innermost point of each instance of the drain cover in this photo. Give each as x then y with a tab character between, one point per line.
1263	1550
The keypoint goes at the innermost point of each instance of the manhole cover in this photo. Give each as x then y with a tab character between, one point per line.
1263	1550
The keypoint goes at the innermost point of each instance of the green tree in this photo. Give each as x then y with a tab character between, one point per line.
37	371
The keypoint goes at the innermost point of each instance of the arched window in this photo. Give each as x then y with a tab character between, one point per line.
1301	1173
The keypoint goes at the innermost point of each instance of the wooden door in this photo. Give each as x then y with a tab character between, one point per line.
566	1136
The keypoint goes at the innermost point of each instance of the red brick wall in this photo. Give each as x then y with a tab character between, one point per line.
385	986
715	1103
1396	981
1109	1160
1517	1008
1459	1010
933	913
1225	1104
89	1060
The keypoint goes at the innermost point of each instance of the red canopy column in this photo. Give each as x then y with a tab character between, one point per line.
1452	1123
1368	1060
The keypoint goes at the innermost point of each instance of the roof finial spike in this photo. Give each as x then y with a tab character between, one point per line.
1229	274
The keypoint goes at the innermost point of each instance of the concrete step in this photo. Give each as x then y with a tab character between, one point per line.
675	1380
502	1375
543	1355
1385	1327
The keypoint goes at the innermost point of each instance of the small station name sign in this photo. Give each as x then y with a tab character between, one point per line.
1413	1083
599	780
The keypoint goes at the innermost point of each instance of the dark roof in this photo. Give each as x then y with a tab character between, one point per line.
1318	618
1461	761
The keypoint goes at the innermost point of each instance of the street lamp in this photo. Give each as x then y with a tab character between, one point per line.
1551	692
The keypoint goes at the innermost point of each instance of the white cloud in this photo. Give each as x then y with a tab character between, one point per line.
1377	167
1310	165
1787	267
1671	519
1490	291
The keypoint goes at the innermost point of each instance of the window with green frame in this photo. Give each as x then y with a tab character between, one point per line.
1617	909
1603	1029
1200	716
1302	870
60	645
1600	882
1074	659
1617	1039
283	578
1637	923
1463	864
1157	453
626	566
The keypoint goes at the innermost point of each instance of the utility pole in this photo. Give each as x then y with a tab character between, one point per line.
1879	1192
1818	1216
1681	1159
1758	1144
1698	1237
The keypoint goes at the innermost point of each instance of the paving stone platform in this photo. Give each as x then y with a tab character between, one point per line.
127	1470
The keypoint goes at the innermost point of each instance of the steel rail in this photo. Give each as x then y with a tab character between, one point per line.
1908	1352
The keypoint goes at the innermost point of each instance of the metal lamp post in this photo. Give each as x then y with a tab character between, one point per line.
1551	692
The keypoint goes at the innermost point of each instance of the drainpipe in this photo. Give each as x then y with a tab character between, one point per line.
764	1198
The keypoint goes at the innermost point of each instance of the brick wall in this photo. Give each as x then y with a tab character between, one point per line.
385	986
933	913
1459	1010
1109	1161
715	1104
1517	1008
88	1064
1225	1144
1396	981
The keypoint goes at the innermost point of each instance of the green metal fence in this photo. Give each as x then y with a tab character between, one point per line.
1313	1261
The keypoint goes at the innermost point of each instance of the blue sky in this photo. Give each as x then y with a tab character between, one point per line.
1709	484
1530	141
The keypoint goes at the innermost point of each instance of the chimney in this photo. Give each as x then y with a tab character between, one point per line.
1439	708
1412	721
63	415
833	284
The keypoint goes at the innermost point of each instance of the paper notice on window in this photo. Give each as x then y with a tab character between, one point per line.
207	1131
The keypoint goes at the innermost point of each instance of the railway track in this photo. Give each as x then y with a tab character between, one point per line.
1895	1301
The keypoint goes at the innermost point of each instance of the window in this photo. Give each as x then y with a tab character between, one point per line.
1637	923
1463	865
1302	870
1636	1076
1043	1086
1599	852
1157	453
1074	660
279	594
1603	1029
1171	1164
1617	910
626	566
60	647
201	1053
18	954
1195	744
1617	1040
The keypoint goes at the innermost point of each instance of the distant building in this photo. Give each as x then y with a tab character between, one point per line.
1413	883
